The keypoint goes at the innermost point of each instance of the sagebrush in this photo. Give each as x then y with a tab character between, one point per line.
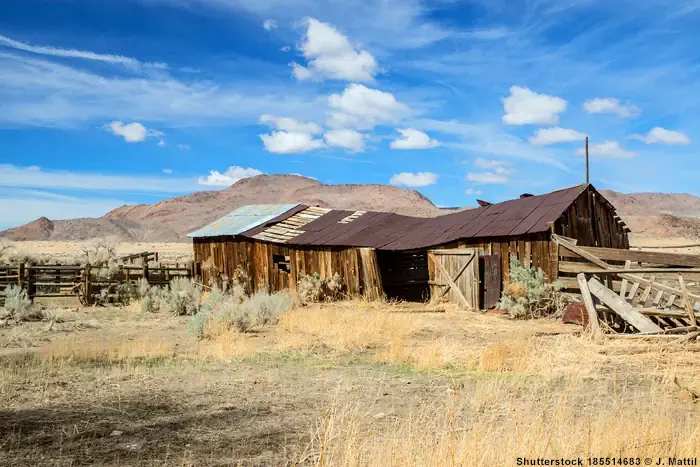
223	310
313	289
18	306
527	295
181	297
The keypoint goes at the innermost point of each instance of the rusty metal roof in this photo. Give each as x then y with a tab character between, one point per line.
243	219
388	231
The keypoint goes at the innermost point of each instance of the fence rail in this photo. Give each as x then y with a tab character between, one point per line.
86	281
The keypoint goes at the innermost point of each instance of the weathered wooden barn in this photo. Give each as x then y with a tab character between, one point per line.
464	255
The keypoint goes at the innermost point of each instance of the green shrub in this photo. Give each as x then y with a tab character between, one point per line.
18	306
528	296
223	310
181	297
313	289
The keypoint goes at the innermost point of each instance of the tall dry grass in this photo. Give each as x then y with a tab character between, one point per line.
496	423
107	350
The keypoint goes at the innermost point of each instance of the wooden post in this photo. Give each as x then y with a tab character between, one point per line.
87	285
621	307
590	306
145	270
31	286
686	300
20	275
587	173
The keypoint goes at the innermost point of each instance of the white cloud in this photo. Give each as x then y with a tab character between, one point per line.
35	177
229	177
37	92
609	105
128	62
330	54
270	24
161	143
607	149
413	139
499	174
414	179
489	33
285	48
361	107
658	135
524	107
546	136
348	139
472	191
167	171
290	124
488	163
184	147
283	142
132	132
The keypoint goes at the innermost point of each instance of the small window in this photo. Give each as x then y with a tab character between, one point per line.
281	262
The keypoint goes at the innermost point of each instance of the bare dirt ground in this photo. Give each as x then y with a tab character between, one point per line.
353	383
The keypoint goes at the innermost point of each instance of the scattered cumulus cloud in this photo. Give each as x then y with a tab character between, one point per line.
363	108
167	171
658	135
410	179
329	54
270	24
413	139
184	147
229	177
290	124
351	140
611	149
133	132
608	105
283	142
161	144
472	192
546	136
498	172
525	107
128	62
285	48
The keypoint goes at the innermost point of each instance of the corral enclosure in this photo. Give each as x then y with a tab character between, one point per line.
377	253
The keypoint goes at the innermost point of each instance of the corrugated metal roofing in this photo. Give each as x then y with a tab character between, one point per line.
243	219
387	231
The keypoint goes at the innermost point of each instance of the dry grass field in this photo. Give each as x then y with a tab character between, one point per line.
347	384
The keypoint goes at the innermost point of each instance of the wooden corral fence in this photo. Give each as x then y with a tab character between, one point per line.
650	292
455	274
85	281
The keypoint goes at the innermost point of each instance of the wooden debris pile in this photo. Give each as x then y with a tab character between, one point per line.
653	302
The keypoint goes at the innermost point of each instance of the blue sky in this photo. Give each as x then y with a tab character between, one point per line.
132	101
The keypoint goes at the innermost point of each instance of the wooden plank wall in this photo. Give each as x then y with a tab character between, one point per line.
357	269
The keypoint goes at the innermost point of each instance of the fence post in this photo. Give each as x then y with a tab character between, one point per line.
20	275
156	256
88	291
145	271
31	286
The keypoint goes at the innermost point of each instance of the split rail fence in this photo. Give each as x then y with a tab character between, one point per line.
84	281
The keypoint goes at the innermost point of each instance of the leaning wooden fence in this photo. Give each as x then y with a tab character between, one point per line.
85	281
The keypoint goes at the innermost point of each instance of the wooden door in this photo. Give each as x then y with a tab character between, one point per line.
455	274
490	281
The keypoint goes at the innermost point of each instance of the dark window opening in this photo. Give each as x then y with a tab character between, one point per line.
281	262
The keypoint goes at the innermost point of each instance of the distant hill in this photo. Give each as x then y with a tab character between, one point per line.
172	219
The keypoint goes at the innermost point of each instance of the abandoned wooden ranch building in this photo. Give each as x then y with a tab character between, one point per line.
378	253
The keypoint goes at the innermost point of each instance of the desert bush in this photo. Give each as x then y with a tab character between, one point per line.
313	289
222	311
182	297
18	306
528	296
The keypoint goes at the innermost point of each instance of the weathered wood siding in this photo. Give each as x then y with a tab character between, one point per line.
356	266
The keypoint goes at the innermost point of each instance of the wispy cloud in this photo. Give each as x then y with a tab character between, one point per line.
611	149
410	179
609	105
658	135
128	62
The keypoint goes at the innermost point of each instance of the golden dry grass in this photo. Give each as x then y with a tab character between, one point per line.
110	350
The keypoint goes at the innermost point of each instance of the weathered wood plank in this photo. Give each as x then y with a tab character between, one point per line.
590	307
621	307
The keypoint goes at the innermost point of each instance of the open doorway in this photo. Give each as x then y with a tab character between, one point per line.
404	275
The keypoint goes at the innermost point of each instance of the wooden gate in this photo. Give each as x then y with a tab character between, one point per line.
455	274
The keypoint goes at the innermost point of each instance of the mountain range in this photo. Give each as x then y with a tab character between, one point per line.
649	214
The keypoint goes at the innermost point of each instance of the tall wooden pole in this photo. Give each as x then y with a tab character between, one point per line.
588	180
